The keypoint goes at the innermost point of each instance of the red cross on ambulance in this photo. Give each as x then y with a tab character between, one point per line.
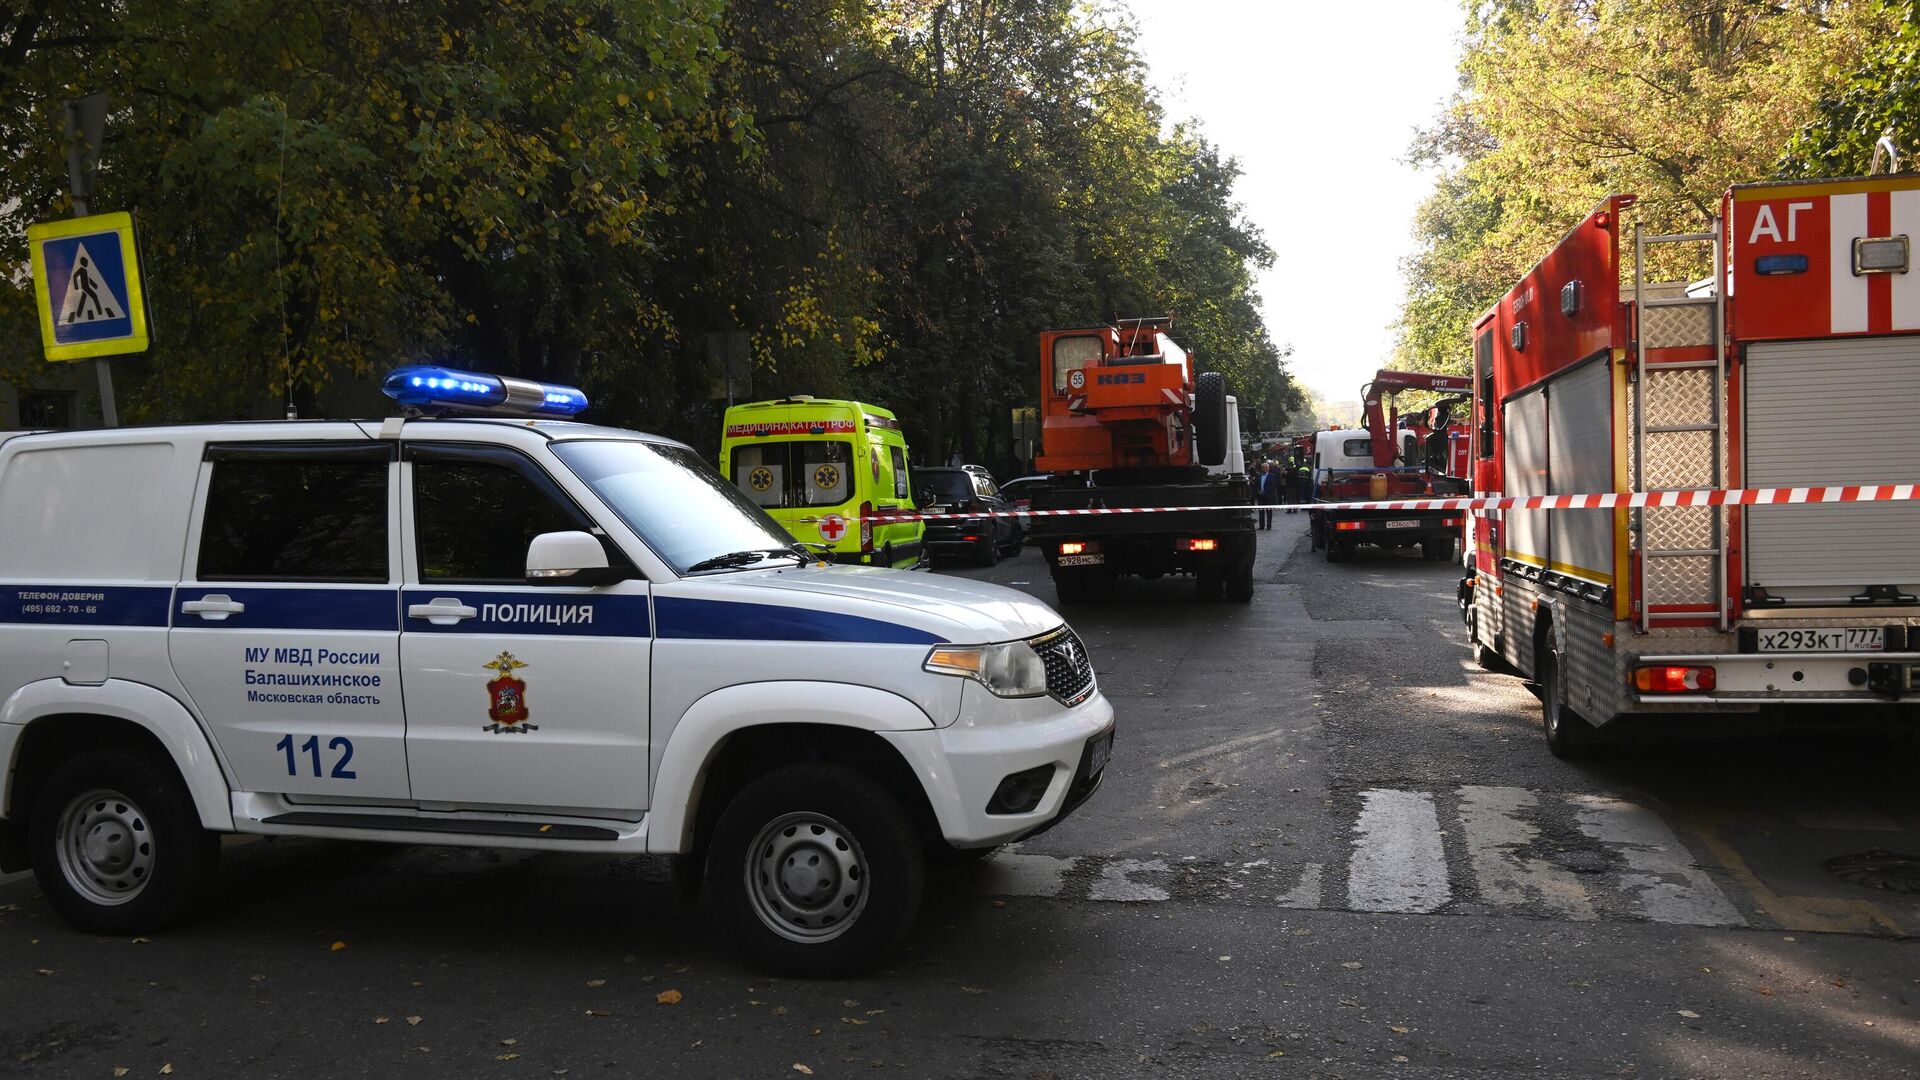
832	528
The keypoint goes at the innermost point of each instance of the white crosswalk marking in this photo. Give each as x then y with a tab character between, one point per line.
1398	863
1497	835
1661	877
1577	857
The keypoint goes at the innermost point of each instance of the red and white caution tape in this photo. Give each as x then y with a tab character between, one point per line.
1770	496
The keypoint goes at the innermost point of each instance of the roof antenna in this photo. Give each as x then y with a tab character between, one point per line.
1884	150
279	277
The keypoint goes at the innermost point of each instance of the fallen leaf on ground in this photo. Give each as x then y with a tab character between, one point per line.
46	971
852	1020
816	1033
799	1068
1351	965
121	1070
142	941
668	997
509	1042
505	1057
875	1012
849	1003
379	1019
779	1010
1276	1053
1397	1030
1400	1058
167	1069
1223	959
1689	1014
1763	991
972	990
337	946
596	983
678	969
413	1021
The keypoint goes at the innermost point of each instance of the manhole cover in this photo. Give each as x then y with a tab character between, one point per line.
1879	869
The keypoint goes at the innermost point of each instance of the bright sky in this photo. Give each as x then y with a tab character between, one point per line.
1318	102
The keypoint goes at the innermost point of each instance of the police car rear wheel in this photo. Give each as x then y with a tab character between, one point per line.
117	843
817	870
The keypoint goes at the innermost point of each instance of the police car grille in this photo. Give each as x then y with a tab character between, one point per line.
1069	671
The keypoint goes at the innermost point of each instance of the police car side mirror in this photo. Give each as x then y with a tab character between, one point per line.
569	558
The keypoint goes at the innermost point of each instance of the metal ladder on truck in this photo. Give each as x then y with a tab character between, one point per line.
1678	400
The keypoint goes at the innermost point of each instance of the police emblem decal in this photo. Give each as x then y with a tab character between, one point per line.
507	698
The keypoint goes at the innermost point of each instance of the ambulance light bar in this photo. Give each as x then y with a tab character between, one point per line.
438	390
1880	255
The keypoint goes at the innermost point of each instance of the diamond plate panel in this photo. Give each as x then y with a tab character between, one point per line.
1679	459
1674	327
1688	580
1679	397
1669	527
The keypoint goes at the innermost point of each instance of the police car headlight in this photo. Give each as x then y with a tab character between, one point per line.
1012	669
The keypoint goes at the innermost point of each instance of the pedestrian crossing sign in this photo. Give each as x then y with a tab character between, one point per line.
86	280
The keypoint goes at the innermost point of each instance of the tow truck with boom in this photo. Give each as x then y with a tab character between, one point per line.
1380	461
1126	423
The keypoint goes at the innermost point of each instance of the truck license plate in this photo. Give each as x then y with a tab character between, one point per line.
1823	639
1399	524
1082	560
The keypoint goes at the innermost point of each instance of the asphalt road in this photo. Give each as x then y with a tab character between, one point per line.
1327	846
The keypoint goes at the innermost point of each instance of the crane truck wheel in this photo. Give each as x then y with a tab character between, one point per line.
1240	579
1210	417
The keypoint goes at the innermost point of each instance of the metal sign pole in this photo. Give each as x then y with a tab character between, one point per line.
86	130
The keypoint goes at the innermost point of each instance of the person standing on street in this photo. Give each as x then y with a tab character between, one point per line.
1266	492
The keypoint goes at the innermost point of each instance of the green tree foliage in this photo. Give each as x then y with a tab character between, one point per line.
891	199
1563	102
1881	96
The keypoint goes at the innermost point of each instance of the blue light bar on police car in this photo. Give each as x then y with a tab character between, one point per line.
430	388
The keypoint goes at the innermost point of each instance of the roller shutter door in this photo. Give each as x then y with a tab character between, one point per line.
1825	413
1580	441
1524	465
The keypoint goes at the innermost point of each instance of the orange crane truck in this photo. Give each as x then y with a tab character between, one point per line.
1126	423
1383	461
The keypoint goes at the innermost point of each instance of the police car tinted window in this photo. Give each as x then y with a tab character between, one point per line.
284	514
684	510
473	519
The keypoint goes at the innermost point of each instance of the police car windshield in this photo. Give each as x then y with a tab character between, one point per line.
685	511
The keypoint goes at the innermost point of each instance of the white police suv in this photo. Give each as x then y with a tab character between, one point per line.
512	631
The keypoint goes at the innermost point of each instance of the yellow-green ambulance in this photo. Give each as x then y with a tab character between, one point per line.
821	468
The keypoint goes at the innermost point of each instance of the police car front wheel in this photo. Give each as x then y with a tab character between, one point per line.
117	844
816	869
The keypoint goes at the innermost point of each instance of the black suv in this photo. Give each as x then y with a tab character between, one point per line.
967	489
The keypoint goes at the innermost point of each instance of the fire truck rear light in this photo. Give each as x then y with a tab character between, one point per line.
1202	544
1342	526
1453	522
1880	255
970	537
1673	679
1772	265
1078	547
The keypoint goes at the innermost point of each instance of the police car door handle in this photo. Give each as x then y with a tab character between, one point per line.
213	607
441	611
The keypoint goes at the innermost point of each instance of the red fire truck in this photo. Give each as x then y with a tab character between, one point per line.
1793	362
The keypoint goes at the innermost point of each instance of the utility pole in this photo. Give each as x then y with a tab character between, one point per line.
86	130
